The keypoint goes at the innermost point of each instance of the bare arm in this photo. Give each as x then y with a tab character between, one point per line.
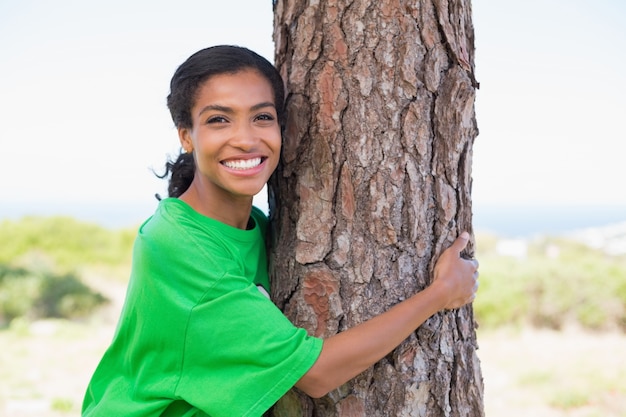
349	353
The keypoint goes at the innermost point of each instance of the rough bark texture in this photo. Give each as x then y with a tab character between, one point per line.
374	183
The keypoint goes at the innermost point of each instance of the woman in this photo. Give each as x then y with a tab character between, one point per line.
198	335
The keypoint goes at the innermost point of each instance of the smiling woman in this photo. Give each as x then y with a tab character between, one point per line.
235	140
201	107
190	325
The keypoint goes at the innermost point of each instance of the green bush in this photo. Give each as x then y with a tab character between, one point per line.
18	289
556	283
65	296
39	294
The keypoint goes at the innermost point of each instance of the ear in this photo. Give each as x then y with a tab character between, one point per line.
184	135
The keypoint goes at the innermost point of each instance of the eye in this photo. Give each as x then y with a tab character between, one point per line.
265	117
216	119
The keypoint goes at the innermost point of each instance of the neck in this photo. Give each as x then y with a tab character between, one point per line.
231	210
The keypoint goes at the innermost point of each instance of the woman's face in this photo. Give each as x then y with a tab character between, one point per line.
235	134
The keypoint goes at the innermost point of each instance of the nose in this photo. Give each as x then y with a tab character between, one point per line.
245	137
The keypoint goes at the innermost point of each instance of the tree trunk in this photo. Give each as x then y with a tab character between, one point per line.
374	183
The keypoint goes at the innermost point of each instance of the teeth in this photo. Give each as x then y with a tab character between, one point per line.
243	164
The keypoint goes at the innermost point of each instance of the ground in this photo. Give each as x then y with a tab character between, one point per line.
542	373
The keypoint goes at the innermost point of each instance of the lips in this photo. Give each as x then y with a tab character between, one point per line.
243	164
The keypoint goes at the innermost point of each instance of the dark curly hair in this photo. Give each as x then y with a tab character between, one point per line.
222	59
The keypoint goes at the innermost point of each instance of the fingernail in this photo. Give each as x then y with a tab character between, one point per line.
465	235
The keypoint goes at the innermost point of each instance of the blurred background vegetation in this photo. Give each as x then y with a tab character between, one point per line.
552	283
45	264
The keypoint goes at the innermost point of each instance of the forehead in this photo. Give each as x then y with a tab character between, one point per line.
241	87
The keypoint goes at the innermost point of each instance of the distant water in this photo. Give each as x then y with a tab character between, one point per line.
532	220
503	220
111	215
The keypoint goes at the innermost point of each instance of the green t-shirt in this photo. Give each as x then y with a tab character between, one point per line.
196	337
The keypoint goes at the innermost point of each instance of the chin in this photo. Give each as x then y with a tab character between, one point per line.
249	192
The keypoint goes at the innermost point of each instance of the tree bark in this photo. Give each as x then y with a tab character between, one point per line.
374	183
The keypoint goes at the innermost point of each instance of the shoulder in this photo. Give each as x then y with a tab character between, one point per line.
181	255
176	228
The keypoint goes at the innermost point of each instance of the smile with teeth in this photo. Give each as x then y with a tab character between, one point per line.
242	164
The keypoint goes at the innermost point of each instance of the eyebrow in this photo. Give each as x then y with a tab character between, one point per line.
225	109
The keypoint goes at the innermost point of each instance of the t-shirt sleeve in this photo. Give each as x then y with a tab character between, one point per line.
241	353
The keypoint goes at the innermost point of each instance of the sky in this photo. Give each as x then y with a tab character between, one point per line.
83	86
551	103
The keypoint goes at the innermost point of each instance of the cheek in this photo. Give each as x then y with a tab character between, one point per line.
279	143
277	146
274	141
208	143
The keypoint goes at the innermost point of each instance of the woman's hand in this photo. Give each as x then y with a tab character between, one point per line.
457	277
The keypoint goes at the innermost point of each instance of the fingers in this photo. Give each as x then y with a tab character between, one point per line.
461	242
474	278
475	263
472	296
